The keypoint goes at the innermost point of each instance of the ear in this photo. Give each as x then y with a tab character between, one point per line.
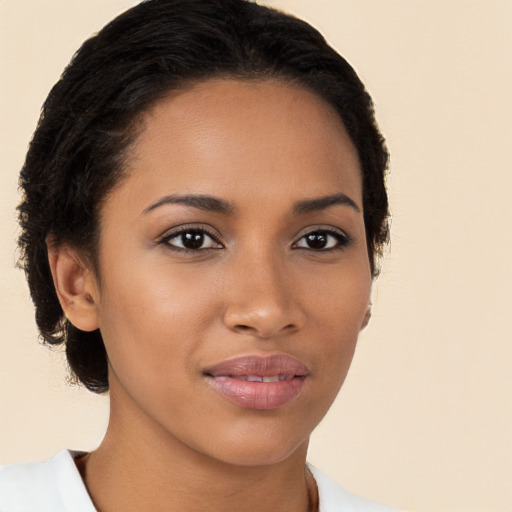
367	316
75	285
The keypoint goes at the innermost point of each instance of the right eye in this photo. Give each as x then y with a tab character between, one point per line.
191	239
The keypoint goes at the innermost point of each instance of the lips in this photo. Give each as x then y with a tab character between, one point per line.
258	382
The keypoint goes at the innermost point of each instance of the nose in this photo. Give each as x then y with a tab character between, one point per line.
262	300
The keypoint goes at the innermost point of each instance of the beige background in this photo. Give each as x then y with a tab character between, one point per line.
425	418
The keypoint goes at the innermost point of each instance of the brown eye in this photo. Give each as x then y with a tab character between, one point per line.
323	240
191	240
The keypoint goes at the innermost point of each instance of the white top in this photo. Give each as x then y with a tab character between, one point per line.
56	486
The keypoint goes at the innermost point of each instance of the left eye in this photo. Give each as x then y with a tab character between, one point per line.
192	240
322	240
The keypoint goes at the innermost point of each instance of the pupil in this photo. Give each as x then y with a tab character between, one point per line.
317	240
192	239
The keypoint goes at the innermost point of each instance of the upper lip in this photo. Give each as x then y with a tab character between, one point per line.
259	365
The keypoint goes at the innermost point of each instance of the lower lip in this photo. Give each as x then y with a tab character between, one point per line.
257	395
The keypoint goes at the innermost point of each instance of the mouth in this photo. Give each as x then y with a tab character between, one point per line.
259	378
258	382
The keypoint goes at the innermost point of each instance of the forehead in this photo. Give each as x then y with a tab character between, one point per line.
244	138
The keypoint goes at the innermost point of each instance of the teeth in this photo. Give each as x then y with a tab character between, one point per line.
254	378
271	378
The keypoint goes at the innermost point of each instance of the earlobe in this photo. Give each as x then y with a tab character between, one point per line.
75	287
367	316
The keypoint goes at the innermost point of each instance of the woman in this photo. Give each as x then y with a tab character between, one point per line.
203	208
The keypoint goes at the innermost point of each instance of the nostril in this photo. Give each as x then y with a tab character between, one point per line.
263	319
260	332
243	328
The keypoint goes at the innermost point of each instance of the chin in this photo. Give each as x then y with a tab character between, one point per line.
258	446
252	456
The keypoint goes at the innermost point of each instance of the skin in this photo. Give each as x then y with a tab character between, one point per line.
255	287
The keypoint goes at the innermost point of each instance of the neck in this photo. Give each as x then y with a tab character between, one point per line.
139	466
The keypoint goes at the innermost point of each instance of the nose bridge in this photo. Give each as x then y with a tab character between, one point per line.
260	298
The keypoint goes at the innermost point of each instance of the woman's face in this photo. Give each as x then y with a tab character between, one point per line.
234	270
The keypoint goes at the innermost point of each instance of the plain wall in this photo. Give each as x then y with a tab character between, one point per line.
424	420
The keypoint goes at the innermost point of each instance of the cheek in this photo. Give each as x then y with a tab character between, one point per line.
155	318
338	300
151	292
337	312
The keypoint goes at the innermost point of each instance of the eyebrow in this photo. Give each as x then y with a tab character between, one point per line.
201	202
321	203
216	205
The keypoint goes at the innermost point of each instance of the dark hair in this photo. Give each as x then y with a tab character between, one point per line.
89	120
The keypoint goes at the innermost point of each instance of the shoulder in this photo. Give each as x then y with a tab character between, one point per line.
51	486
333	498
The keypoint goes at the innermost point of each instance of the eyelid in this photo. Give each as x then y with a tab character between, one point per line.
343	237
177	230
320	227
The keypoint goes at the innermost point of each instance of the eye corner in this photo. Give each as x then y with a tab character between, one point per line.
190	239
323	239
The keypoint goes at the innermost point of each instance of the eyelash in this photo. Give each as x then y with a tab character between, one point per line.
342	240
182	231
